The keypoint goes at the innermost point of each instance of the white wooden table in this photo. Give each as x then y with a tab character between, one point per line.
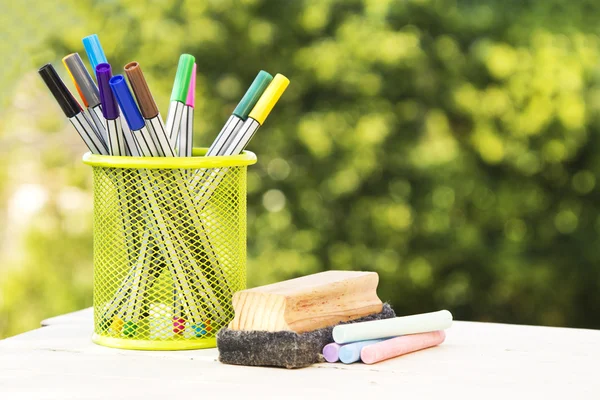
478	360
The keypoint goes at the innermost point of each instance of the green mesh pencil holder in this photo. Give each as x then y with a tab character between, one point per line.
169	248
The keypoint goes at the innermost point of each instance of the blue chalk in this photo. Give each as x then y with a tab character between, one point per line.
350	352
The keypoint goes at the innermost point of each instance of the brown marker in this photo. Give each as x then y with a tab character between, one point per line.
149	110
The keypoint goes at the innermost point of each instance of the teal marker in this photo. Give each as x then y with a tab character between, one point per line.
240	114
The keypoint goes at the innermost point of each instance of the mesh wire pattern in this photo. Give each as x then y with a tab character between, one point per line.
169	252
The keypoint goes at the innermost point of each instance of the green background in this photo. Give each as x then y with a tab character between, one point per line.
450	146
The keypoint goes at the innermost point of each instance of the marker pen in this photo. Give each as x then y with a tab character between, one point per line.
178	96
133	116
149	109
187	120
94	50
239	115
87	90
72	109
110	111
258	115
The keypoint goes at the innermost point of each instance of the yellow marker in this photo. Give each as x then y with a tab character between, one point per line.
269	98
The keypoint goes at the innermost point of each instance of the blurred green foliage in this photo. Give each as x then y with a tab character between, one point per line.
451	146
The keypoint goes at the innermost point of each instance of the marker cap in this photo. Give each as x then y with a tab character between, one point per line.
94	51
110	110
269	98
191	94
82	79
140	89
128	107
252	95
57	87
182	78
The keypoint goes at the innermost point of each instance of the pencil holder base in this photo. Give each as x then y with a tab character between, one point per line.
133	344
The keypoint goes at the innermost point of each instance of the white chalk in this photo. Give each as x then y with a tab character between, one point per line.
386	328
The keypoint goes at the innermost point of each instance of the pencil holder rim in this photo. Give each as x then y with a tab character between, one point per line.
197	161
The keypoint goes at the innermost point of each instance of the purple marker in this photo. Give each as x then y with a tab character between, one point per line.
110	111
331	352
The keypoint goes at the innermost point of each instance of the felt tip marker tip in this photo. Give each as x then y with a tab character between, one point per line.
57	87
269	98
128	106
191	94
252	95
182	78
94	50
110	109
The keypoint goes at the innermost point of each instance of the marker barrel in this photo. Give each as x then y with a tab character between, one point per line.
90	116
174	117
131	148
159	135
116	141
238	143
384	328
186	133
97	118
145	143
400	345
230	130
88	134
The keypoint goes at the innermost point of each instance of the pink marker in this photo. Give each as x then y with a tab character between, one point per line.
331	352
400	345
187	119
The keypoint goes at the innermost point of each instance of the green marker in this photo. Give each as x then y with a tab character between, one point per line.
240	114
179	96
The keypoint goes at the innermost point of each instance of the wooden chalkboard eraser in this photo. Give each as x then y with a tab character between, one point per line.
307	303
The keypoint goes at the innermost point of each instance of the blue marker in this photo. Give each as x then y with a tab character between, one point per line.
136	122
350	353
94	51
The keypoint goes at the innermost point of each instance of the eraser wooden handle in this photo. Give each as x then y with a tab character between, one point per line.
386	328
307	303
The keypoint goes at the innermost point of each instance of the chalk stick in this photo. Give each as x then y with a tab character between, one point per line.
331	352
350	353
400	345
392	327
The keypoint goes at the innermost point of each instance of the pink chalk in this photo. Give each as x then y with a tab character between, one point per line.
331	352
400	345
